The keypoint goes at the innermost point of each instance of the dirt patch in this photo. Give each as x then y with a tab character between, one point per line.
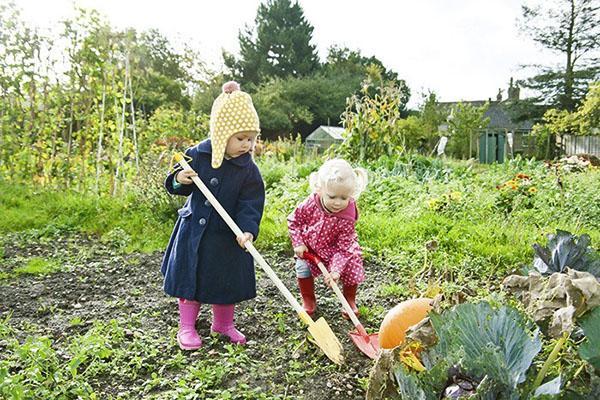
97	283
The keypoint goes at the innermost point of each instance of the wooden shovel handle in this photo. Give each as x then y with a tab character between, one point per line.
251	249
316	260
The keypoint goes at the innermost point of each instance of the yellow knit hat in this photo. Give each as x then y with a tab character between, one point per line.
232	112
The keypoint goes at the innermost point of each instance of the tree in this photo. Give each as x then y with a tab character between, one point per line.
431	117
161	73
569	28
345	61
294	105
464	123
280	47
584	121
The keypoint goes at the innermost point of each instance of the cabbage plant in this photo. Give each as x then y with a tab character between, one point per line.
565	250
482	352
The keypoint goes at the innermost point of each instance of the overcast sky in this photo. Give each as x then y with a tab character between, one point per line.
461	49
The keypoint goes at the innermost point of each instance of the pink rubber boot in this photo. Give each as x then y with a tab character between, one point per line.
223	323
187	337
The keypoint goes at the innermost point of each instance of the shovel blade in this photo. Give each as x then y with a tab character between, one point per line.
368	344
326	340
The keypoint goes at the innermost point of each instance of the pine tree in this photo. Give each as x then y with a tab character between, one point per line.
280	47
570	28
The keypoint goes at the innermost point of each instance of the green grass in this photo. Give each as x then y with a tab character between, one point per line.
396	215
38	266
122	218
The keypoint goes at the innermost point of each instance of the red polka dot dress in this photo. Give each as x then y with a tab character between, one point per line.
331	236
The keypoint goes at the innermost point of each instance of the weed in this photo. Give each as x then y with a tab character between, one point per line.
38	266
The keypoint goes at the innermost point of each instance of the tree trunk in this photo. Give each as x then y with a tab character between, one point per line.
568	103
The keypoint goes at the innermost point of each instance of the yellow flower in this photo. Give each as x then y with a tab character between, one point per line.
433	204
455	196
532	190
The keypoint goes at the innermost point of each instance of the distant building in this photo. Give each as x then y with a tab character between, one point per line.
324	136
502	136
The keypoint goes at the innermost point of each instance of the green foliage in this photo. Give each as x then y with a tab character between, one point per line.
584	121
282	107
279	47
416	133
133	359
571	29
464	123
351	65
41	373
472	346
299	103
162	73
590	348
37	266
474	239
342	60
87	128
148	228
516	193
589	112
174	129
371	122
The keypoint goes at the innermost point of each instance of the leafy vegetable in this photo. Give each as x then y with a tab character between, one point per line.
496	342
481	350
590	349
566	250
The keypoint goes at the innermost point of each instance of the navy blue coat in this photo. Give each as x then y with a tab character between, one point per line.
203	260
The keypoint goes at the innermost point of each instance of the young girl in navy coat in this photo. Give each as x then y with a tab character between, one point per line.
204	261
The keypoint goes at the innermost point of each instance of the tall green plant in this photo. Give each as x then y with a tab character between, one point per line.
372	120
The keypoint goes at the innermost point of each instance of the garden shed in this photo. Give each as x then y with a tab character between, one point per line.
324	136
503	137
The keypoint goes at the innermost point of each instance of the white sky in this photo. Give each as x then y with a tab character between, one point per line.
461	49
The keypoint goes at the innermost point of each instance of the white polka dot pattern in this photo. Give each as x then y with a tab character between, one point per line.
332	237
231	113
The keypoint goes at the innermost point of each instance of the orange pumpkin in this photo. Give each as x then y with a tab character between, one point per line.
400	318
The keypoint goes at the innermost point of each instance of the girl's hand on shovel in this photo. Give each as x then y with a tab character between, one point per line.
299	251
246	237
185	176
333	276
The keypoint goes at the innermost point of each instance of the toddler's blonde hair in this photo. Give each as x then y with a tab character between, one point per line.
339	172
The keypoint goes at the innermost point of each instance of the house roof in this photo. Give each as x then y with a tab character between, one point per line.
498	114
335	132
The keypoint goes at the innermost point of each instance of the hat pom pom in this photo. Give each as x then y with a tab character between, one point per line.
231	87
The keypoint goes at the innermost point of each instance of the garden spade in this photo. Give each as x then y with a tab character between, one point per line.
368	344
320	329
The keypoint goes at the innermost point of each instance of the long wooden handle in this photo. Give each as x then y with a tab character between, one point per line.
338	292
251	249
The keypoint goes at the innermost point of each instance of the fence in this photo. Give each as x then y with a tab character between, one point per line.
571	144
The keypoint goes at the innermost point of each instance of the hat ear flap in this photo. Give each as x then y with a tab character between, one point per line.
219	144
